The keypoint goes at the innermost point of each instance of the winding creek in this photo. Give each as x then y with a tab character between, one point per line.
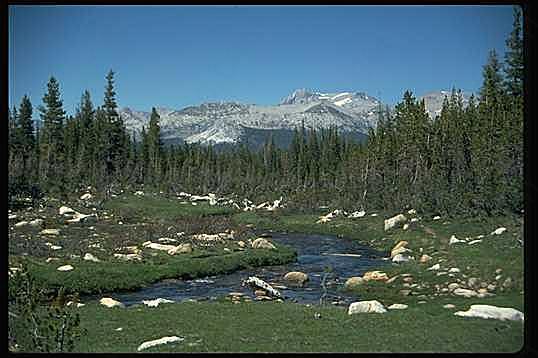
315	253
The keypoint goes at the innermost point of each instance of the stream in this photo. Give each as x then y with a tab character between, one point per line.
315	253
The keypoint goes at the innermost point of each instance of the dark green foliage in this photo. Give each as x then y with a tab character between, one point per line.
514	57
52	153
35	325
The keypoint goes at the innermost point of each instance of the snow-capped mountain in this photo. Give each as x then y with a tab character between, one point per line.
231	122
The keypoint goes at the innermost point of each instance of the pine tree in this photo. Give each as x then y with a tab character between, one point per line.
117	145
154	147
51	171
85	117
514	57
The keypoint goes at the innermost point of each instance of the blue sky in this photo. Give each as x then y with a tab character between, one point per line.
175	56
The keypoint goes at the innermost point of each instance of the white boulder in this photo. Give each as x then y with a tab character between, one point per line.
357	214
434	267
261	243
54	232
259	283
498	231
454	240
89	257
21	223
156	302
156	246
156	342
64	210
366	307
397	306
464	292
390	223
181	249
110	302
65	268
400	258
492	312
36	222
86	196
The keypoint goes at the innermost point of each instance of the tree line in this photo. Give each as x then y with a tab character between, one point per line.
467	160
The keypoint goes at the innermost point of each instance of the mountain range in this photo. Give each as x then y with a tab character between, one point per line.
228	123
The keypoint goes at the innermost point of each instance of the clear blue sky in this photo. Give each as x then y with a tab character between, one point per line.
175	56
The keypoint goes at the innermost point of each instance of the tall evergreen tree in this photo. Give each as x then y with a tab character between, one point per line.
51	169
514	57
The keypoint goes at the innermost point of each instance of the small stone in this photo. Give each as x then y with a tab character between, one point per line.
405	292
408	279
156	302
397	306
400	258
54	232
86	196
473	282
491	287
36	222
434	267
498	277
507	283
21	224
425	258
449	306
90	257
454	269
375	276
464	292
499	231
498	271
261	243
64	210
453	286
260	293
436	217
65	268
474	242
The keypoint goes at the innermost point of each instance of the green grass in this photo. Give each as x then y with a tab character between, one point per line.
285	327
89	277
162	208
